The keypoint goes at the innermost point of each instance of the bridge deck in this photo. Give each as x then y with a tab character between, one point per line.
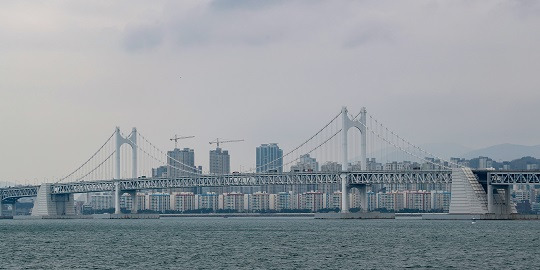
250	179
261	179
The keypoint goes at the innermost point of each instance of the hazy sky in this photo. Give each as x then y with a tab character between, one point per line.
466	72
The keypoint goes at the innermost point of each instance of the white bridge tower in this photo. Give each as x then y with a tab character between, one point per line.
131	140
360	124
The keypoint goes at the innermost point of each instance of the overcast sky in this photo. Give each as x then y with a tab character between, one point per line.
466	72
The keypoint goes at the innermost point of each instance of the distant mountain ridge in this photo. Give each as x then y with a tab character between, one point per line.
446	150
500	152
505	152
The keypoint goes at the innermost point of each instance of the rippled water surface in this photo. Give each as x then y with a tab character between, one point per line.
268	243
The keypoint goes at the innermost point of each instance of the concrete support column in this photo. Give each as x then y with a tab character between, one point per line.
13	209
490	198
345	160
1	208
363	198
344	194
508	199
134	202
133	141
117	198
363	139
118	144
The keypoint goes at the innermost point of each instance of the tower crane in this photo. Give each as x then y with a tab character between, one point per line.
176	138
217	142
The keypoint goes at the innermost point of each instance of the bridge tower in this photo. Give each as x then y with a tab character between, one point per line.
131	140
360	124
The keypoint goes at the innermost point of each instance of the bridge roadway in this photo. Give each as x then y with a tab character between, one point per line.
243	179
8	195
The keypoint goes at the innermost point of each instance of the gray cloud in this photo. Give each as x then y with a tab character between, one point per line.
144	37
227	5
367	33
453	71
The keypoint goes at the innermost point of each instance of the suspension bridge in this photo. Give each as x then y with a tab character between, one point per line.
122	163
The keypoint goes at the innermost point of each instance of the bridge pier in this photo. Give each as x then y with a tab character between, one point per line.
13	209
1	208
134	202
468	196
344	194
508	199
117	198
490	198
363	198
48	204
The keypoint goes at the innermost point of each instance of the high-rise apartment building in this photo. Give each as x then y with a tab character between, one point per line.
127	202
312	200
183	201
357	166
418	199
269	158
159	202
259	201
220	161
207	200
160	171
101	200
333	200
233	201
331	166
440	200
305	164
180	162
283	200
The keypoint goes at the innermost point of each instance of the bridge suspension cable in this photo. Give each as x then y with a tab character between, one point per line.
195	172
317	147
396	144
93	170
166	154
295	149
93	166
87	161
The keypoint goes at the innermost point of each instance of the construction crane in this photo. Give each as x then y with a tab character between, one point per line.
176	138
217	142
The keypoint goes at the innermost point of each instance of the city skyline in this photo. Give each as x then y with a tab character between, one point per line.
312	200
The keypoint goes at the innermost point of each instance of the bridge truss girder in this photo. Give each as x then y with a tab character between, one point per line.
12	194
258	180
397	177
252	179
511	178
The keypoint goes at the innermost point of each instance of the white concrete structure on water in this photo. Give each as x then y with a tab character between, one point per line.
48	204
469	197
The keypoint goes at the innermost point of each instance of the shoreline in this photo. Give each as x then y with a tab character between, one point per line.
228	215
